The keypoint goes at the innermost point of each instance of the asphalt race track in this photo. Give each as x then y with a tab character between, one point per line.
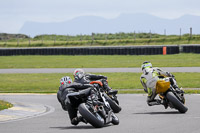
96	70
136	117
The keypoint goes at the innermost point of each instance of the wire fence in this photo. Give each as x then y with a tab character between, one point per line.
20	40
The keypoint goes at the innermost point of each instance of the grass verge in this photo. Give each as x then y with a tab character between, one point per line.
49	83
125	39
99	61
5	105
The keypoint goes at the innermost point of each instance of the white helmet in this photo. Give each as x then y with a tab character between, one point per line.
146	64
78	73
65	80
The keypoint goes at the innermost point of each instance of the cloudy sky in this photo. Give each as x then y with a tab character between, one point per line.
14	13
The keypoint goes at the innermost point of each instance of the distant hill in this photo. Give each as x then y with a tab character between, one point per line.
7	36
123	23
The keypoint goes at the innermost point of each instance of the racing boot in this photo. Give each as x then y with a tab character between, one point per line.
105	86
75	121
82	119
164	103
112	92
154	102
109	90
78	119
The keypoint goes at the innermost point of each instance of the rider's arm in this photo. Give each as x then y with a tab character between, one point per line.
79	86
63	87
95	77
143	82
164	73
146	89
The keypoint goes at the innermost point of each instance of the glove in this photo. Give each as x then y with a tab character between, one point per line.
170	75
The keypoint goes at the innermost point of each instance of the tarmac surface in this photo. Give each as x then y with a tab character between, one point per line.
96	70
21	111
136	116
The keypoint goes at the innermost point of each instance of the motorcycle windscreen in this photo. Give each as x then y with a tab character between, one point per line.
162	86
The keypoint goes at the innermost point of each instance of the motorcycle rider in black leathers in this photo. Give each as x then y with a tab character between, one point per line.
85	78
66	88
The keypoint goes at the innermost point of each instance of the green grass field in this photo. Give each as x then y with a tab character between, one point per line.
117	39
124	82
49	83
99	61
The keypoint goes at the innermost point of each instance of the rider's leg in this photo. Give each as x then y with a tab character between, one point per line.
151	101
72	114
105	85
150	98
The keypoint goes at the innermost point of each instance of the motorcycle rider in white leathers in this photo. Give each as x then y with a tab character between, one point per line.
149	79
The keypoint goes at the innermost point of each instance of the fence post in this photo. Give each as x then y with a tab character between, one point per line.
42	39
17	40
165	35
92	38
150	34
134	36
81	38
66	38
106	37
29	40
5	40
55	40
190	32
180	33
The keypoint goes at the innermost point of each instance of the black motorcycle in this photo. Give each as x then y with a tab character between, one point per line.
93	107
174	98
111	97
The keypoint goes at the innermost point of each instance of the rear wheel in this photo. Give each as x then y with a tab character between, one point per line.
94	119
176	103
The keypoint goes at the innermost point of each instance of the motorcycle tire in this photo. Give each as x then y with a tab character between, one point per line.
95	120
115	107
176	103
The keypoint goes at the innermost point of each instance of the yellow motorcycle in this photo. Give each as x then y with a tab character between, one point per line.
170	95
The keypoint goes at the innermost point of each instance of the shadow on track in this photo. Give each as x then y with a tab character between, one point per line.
158	113
74	127
78	127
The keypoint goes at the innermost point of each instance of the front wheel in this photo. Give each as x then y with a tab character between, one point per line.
115	107
176	103
94	119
